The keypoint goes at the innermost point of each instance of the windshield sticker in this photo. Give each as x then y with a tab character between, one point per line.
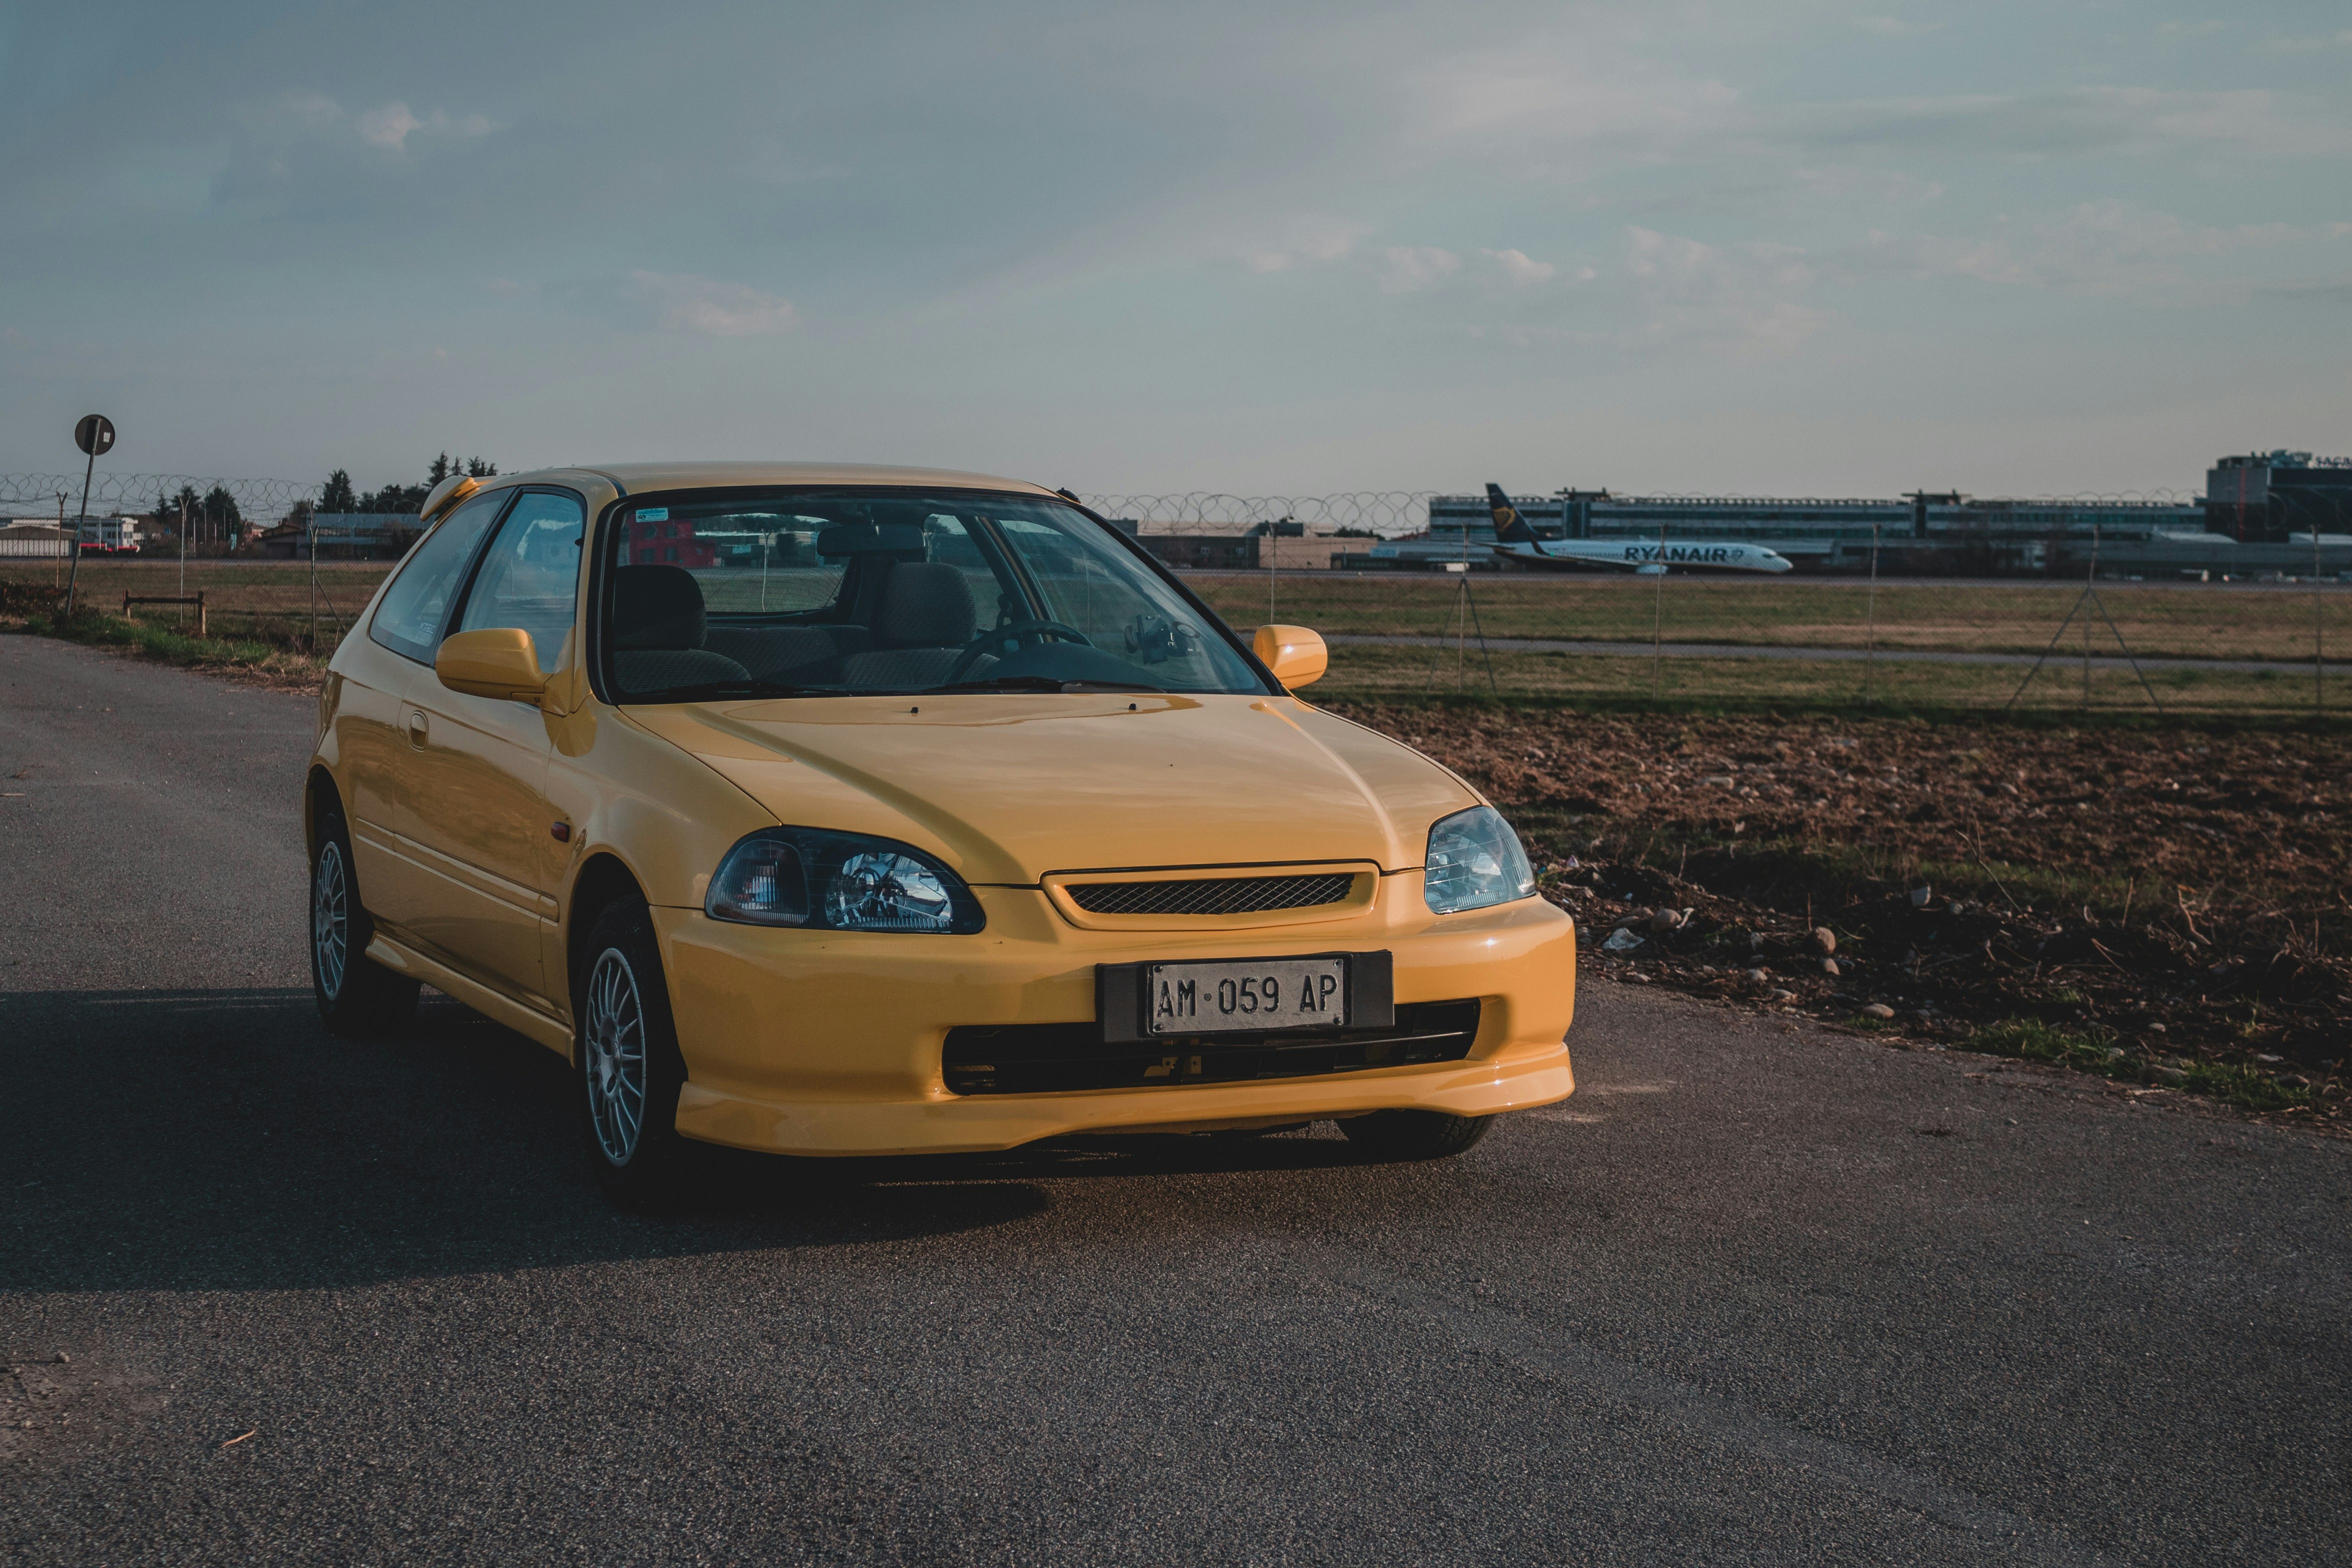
653	514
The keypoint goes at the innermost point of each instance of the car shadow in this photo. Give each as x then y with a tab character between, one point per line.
221	1139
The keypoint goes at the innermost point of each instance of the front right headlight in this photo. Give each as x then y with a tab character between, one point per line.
814	878
1475	860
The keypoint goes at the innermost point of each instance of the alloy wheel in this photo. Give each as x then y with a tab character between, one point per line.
615	1067
330	919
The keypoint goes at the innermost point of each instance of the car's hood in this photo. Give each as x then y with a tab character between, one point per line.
1009	787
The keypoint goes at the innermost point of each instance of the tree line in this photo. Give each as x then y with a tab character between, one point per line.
337	495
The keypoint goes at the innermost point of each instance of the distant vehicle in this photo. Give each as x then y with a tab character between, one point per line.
1513	540
100	546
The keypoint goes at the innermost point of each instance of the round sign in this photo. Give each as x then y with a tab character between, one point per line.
95	434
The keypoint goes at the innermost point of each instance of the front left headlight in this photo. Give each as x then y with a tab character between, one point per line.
820	880
1475	860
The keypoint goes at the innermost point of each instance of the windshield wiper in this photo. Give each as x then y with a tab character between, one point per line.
707	690
1043	684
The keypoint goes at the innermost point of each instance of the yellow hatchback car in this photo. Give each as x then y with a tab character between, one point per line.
832	811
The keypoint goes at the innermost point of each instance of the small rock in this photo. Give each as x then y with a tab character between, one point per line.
1758	977
1721	781
1878	1010
1637	978
1825	939
2156	1028
1665	920
1783	997
63	1359
1956	907
2269	1061
1829	966
1620	940
1755	941
2163	1075
1920	895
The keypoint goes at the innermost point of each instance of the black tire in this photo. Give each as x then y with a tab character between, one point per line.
629	1069
1414	1134
356	995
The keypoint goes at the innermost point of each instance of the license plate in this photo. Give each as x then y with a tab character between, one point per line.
1250	995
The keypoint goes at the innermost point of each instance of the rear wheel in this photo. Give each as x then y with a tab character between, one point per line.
356	995
1414	1134
630	1069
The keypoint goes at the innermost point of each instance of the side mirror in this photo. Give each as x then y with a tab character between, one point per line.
496	662
1295	655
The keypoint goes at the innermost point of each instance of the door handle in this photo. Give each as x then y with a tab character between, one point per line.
416	729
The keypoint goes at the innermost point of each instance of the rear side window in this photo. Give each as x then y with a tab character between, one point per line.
416	606
530	576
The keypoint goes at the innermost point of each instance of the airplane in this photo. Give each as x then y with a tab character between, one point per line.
1513	540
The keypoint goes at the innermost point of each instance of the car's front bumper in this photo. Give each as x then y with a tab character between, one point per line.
815	1042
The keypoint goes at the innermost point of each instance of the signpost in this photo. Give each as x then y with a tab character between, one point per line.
94	435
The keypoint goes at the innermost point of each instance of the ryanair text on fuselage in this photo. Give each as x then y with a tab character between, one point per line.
1516	541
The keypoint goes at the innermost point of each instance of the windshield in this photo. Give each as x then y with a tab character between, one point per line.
822	592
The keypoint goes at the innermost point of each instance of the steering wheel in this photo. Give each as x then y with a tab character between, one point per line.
1031	631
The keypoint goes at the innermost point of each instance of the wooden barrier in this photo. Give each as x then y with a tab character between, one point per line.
196	598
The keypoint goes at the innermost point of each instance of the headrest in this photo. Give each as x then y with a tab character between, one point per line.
926	605
657	607
870	538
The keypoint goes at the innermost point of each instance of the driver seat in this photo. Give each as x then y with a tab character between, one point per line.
925	619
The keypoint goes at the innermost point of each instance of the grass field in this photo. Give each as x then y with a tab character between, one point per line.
1895	683
270	602
2212	620
261	600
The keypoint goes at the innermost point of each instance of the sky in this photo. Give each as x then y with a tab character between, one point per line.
1766	247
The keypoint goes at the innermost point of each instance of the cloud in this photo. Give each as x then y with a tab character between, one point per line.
682	302
2287	46
2169	31
1560	111
1305	240
1412	268
1745	293
388	127
2107	249
303	117
1895	26
2148	120
1519	268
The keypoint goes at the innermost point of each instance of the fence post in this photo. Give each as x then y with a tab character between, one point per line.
1870	644
1658	625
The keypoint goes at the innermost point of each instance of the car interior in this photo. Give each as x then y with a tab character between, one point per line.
889	595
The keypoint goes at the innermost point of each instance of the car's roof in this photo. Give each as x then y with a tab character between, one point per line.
632	478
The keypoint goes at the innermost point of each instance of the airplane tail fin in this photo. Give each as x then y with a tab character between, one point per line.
1510	528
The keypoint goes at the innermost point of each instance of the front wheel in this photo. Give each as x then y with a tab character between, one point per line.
1414	1134
356	995
630	1069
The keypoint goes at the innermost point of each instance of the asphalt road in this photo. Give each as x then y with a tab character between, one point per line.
1756	1294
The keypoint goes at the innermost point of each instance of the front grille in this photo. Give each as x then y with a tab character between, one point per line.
1211	894
1040	1059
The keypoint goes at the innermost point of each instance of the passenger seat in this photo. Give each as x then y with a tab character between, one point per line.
658	626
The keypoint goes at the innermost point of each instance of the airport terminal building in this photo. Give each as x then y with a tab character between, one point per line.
2258	517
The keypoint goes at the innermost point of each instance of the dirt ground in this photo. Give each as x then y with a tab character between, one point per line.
2166	907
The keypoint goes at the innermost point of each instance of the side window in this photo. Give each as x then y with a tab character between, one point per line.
416	605
530	576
